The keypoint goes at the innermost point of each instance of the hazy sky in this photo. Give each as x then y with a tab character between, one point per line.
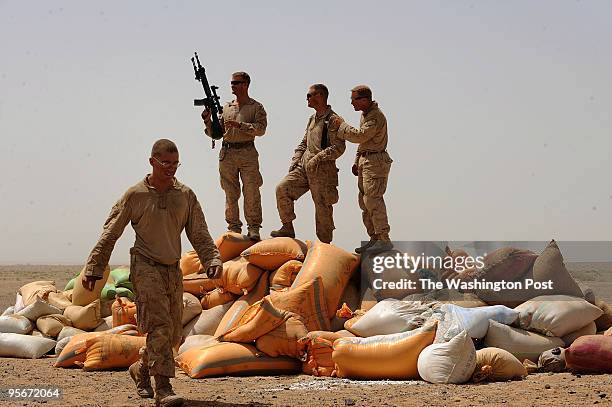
499	112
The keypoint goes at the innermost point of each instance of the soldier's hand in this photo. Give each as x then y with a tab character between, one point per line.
335	123
355	170
88	282
231	123
293	166
312	165
214	272
206	115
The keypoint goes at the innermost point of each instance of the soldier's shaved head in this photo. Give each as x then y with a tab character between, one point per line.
244	76
322	89
162	146
363	91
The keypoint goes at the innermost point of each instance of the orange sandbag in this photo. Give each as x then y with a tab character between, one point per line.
392	356
112	351
319	348
233	359
591	353
284	339
238	276
216	297
285	274
123	311
334	265
259	319
239	307
198	284
231	244
307	301
190	263
495	365
270	254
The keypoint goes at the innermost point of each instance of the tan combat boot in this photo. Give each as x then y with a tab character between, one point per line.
253	234
285	231
139	372
365	246
164	395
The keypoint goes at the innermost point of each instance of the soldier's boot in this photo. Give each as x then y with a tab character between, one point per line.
365	246
382	244
253	234
139	372
286	231
164	395
235	229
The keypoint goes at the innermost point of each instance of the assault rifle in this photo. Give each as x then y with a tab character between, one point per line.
211	101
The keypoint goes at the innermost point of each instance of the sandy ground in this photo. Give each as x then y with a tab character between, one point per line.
116	388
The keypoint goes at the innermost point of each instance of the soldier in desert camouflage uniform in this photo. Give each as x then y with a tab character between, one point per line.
159	207
243	119
313	168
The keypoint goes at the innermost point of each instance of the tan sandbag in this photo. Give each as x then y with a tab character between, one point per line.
308	301
605	320
334	265
85	318
391	273
238	276
284	339
270	254
383	356
239	307
59	300
123	312
284	275
37	333
107	323
195	341
522	344
319	348
198	284
191	308
589	329
106	308
52	325
350	300
233	359
592	353
81	296
259	319
231	244
556	315
68	294
112	351
190	263
608	332
40	289
207	322
495	364
216	297
549	266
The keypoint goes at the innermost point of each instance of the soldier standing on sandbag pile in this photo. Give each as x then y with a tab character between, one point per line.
159	208
243	119
372	166
313	167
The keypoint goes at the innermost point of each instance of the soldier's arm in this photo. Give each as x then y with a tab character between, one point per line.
113	229
197	233
299	151
365	132
258	127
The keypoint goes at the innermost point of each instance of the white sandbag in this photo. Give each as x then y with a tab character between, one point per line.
475	321
38	309
61	344
16	324
589	329
191	307
9	311
69	332
449	362
522	344
196	340
24	346
556	315
391	316
19	305
207	322
107	323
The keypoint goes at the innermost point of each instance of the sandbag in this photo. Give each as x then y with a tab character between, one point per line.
270	254
16	324
284	339
59	300
125	292
123	312
68	294
392	274
238	276
69	332
495	364
368	300
19	305
449	362
231	244
207	321
87	317
318	347
390	316
190	263
82	296
448	296
589	329
552	360
40	289
382	356
120	275
61	344
52	325
216	297
37	309
556	315
334	265
549	266
605	320
259	319
9	311
522	344
194	341
285	275
198	284
112	351
70	284
307	301
108	293
233	359
608	332
24	346
239	307
191	308
592	353
36	332
107	323
475	321
350	300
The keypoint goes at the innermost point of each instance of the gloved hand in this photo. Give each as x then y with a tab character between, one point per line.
214	272
355	170
293	166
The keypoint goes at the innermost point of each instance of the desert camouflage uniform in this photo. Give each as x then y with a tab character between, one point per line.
321	179
158	220
373	164
239	158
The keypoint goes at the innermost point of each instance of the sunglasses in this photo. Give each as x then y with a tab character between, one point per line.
167	164
309	95
237	82
359	97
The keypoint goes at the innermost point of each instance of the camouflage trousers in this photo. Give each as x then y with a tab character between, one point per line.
372	183
237	164
159	310
324	192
